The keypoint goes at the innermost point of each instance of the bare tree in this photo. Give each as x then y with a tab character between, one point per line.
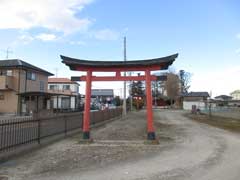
172	85
185	79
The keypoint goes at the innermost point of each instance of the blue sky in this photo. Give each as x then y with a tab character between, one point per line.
205	33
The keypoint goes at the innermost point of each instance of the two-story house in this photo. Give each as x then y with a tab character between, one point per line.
70	98
23	87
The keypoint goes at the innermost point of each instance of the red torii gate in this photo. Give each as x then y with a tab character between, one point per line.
118	66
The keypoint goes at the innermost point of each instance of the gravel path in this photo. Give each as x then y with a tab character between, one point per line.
187	151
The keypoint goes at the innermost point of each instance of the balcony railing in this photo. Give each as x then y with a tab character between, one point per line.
6	82
62	91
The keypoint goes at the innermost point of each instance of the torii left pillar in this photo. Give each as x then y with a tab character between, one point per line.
86	116
150	127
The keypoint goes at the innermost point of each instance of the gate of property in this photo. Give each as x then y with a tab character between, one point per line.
118	67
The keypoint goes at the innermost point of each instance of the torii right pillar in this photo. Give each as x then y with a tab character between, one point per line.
150	128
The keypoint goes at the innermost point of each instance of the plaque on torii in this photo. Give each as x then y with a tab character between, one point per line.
146	66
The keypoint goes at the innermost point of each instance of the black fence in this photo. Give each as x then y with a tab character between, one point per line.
25	130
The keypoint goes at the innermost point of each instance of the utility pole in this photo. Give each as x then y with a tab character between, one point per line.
130	93
124	83
210	105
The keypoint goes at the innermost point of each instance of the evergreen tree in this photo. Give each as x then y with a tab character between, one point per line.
137	92
137	88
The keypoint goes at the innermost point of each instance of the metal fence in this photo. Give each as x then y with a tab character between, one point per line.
227	112
25	130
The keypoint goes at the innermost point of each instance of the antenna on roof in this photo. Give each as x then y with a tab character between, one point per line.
56	74
7	52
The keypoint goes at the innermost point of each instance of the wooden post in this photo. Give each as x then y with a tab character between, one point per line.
39	130
150	128
57	103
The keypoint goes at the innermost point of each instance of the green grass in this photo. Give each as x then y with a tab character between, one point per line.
216	121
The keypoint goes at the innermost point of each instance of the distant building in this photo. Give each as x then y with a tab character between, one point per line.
223	98
69	90
102	95
199	99
23	87
235	95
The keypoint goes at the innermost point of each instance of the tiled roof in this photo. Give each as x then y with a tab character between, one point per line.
61	80
73	63
223	97
196	94
17	63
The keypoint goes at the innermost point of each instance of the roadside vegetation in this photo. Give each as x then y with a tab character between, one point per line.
217	121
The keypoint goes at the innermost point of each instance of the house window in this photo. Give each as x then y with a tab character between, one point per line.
53	87
66	87
31	76
41	86
4	72
9	73
1	96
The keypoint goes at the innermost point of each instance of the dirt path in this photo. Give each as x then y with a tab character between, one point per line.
187	151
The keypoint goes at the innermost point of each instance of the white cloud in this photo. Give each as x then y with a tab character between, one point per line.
106	34
77	43
59	15
221	81
238	36
238	51
25	38
46	37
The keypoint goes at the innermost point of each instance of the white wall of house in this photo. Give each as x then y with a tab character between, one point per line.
73	102
56	102
187	105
